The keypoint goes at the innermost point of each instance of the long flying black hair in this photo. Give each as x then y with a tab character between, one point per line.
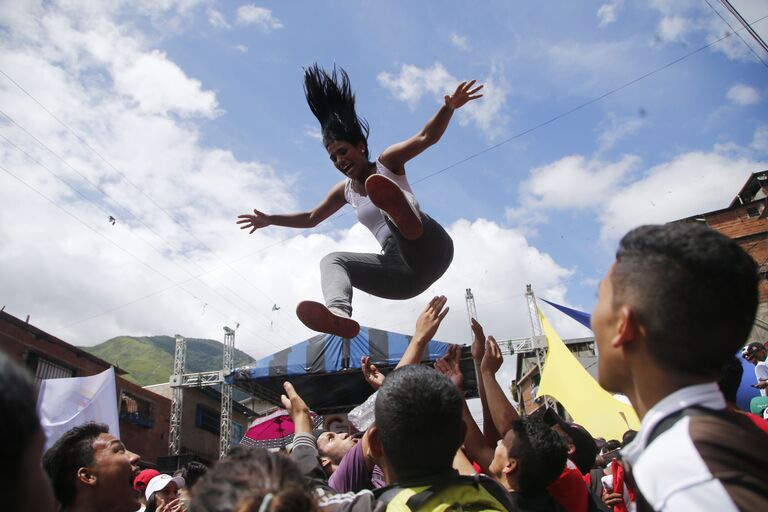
332	101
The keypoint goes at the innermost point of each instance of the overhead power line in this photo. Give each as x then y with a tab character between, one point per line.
107	212
581	106
134	185
746	26
119	247
424	178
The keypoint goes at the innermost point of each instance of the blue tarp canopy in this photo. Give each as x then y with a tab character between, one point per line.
325	369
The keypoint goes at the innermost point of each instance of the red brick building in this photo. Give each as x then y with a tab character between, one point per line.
745	220
144	415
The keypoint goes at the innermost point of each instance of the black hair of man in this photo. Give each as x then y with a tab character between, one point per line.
243	480
191	472
332	101
419	417
730	380
612	444
693	290
18	426
541	454
72	451
628	437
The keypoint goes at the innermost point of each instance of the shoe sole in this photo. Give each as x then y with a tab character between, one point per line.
387	196
319	318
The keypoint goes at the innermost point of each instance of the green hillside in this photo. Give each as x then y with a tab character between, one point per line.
149	359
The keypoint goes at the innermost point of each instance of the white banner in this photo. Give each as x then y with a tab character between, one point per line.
66	403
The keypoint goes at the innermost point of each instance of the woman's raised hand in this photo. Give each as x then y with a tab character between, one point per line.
255	221
465	93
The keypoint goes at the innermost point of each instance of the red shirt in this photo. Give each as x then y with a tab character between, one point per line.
570	491
760	422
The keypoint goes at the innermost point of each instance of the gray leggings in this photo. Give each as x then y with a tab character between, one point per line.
404	269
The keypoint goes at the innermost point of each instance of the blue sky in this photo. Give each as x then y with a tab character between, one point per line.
197	113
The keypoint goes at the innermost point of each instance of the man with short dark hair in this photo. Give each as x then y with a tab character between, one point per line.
347	460
678	301
23	484
91	470
418	411
528	459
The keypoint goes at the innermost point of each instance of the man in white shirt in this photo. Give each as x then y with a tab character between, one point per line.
678	301
756	353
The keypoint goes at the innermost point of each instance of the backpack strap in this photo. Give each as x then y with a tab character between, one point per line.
476	481
437	485
667	423
694	410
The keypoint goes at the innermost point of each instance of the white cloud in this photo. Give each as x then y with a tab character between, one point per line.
413	82
673	28
158	85
313	132
241	48
585	67
760	139
681	17
252	15
460	42
573	182
615	129
217	19
80	283
691	183
607	13
743	95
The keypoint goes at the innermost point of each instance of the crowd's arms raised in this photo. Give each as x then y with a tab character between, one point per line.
502	410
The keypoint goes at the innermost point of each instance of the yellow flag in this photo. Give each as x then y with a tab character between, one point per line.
592	407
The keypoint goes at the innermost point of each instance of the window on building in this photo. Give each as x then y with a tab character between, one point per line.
46	369
207	419
135	410
238	431
753	211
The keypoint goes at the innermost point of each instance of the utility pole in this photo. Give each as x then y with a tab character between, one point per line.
538	339
471	309
179	358
225	429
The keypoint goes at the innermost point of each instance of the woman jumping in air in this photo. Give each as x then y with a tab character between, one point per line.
416	250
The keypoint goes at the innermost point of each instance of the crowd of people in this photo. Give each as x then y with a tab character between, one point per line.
676	305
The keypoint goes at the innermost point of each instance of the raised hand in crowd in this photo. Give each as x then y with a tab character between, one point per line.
502	410
371	374
430	318
478	351
492	358
478	342
426	327
175	505
297	408
449	365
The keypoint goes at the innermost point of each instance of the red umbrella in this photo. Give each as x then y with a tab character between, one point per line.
274	430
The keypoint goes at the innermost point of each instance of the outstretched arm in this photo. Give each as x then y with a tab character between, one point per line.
478	351
426	327
330	205
476	445
395	156
502	411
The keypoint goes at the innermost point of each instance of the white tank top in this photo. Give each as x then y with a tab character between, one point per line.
367	213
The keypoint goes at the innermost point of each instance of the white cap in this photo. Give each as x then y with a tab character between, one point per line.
161	481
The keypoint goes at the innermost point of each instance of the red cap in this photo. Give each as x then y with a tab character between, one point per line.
143	478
